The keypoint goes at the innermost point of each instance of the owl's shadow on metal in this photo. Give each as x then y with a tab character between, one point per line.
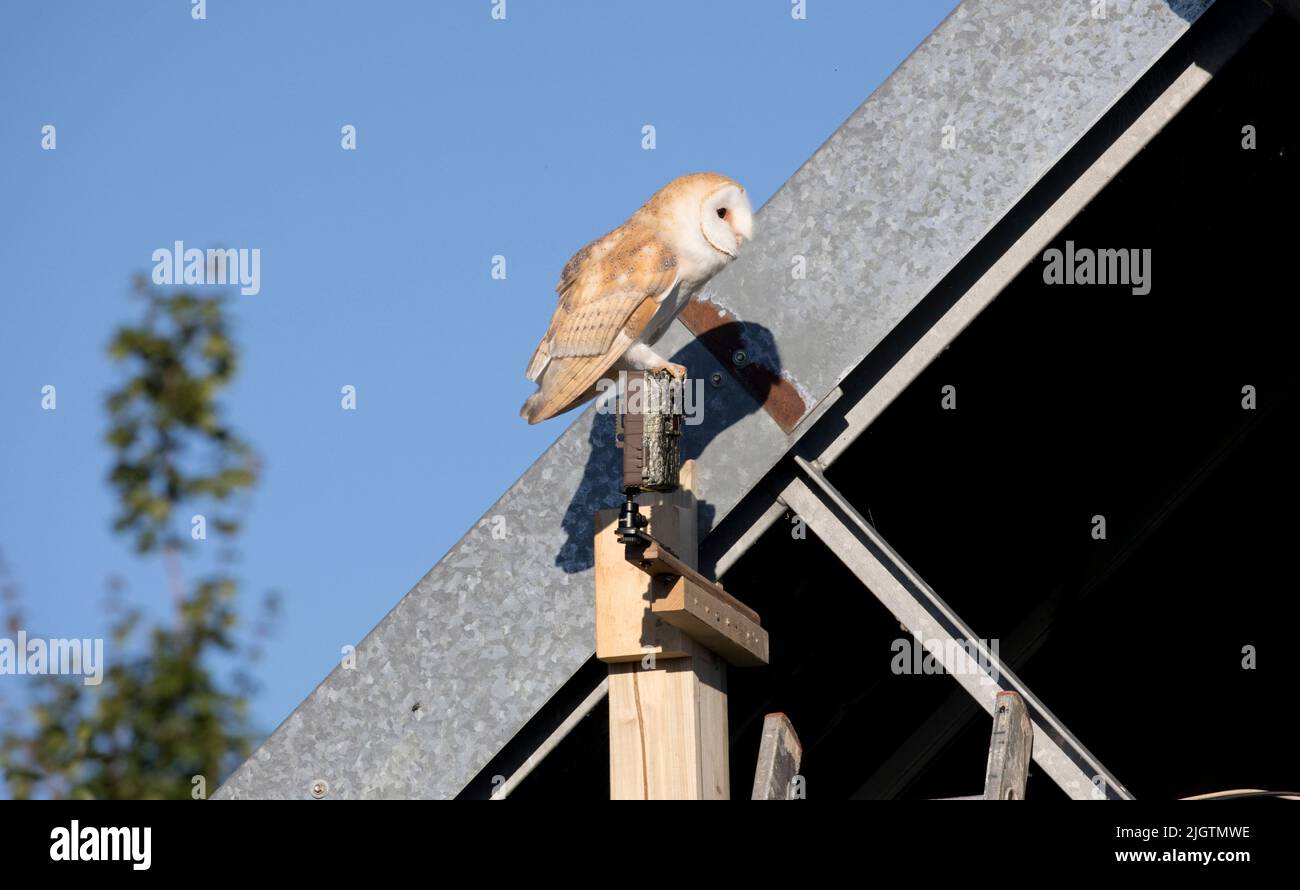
725	401
1187	10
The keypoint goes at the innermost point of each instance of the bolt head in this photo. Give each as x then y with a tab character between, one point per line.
320	788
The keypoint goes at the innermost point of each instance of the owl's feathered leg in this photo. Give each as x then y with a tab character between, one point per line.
640	357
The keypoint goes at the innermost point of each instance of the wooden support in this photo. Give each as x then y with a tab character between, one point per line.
710	620
1009	749
667	692
654	560
779	753
626	630
668	729
685	599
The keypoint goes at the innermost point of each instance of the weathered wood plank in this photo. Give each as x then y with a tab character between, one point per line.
1010	749
779	755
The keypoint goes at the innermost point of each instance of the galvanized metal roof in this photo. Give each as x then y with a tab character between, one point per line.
903	190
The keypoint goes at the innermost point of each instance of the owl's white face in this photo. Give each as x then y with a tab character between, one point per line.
704	218
726	220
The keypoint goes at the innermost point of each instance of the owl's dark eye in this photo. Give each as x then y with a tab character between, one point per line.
722	213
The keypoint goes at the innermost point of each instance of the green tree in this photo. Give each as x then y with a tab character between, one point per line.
161	715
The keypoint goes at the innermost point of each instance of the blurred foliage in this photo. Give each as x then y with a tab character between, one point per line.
160	716
180	357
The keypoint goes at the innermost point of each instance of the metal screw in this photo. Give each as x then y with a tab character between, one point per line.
715	378
739	357
320	788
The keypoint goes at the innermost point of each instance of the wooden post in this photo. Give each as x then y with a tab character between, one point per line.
1009	749
667	693
779	753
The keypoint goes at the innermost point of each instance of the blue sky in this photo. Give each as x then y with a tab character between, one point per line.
475	138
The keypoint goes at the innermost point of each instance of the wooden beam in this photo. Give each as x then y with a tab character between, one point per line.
709	619
667	692
779	754
659	562
1009	749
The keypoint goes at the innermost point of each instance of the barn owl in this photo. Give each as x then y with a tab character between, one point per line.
619	293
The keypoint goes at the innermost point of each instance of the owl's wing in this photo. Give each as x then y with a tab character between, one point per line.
608	293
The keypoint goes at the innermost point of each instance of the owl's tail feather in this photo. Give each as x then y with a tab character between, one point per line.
532	409
559	390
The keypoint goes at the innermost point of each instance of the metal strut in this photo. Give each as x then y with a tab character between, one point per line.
927	617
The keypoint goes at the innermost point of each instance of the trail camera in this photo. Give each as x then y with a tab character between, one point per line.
649	430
